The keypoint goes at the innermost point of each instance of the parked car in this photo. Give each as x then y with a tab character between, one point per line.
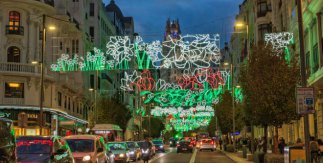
120	150
207	144
134	150
7	141
152	150
87	148
43	149
198	144
159	145
184	146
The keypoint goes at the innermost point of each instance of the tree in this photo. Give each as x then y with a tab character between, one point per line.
223	111
268	83
110	110
155	128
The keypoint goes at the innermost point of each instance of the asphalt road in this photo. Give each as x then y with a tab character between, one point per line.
170	156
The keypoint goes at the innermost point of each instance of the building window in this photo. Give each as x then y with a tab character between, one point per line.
13	54
65	102
91	9
262	8
92	33
69	103
77	46
315	58
14	90
59	98
73	46
60	45
14	21
92	81
308	64
73	106
263	29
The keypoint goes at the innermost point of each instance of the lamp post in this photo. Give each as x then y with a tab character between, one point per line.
41	103
95	105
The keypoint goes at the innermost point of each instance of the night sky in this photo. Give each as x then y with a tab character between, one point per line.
195	16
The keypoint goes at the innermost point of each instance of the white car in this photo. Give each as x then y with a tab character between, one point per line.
207	144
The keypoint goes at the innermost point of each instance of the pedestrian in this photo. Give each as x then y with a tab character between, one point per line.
314	148
281	145
220	143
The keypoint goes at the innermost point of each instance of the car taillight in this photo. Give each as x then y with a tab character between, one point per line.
212	142
201	143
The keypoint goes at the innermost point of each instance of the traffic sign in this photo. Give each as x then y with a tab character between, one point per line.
305	100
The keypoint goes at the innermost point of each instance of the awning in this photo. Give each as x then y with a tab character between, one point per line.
106	127
51	110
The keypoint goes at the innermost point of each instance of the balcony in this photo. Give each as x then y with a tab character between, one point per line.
14	30
19	68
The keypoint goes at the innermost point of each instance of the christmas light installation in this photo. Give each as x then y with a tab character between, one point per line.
145	82
186	119
279	41
190	53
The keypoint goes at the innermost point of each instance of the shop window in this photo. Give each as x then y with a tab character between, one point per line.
13	54
59	98
14	90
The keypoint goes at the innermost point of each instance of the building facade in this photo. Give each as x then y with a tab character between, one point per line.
21	43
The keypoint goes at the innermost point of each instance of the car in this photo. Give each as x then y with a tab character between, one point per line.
7	141
134	150
110	155
87	148
42	149
159	145
120	151
152	150
207	144
198	144
184	146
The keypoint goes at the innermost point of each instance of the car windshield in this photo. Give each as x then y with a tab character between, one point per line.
81	145
158	142
131	144
34	146
117	146
141	143
184	142
207	141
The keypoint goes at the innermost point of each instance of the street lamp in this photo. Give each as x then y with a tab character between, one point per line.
241	25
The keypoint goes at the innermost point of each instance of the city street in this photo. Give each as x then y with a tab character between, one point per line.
170	156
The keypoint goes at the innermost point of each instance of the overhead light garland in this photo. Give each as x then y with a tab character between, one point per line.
190	53
279	41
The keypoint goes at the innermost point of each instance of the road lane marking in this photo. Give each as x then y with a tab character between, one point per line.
159	156
193	156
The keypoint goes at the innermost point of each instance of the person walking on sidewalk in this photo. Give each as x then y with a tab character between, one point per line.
220	143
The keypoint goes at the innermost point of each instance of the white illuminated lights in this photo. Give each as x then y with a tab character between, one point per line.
279	41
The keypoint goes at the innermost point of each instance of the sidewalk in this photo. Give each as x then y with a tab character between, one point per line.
235	157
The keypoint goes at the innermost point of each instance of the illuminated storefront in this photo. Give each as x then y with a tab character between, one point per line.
26	121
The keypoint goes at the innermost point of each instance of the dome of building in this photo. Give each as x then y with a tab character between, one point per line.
112	7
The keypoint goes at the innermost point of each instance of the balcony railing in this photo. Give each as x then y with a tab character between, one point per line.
49	2
13	101
19	67
14	30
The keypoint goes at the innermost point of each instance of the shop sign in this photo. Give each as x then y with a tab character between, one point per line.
305	100
4	115
102	132
32	116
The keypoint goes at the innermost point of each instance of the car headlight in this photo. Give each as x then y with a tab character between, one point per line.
170	142
161	146
131	152
145	151
121	155
86	158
